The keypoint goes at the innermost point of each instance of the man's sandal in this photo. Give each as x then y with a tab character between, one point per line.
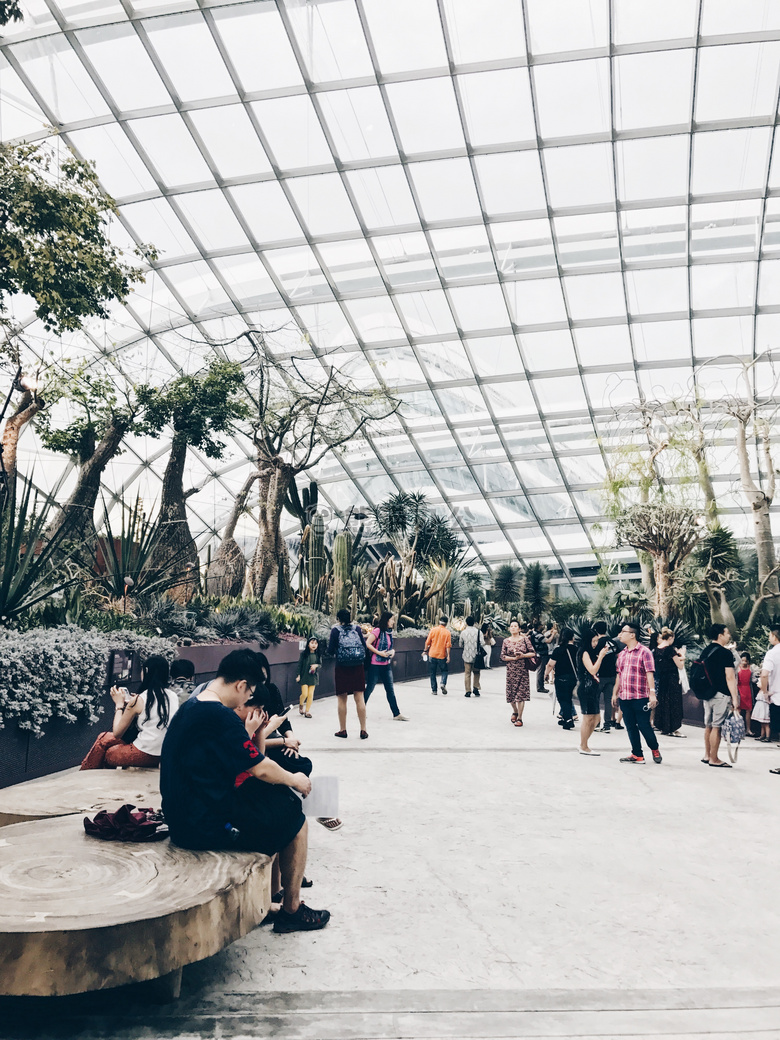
330	823
307	715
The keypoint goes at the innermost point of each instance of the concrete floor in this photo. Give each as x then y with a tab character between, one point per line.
490	881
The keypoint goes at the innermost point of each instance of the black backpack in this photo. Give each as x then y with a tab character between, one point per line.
699	678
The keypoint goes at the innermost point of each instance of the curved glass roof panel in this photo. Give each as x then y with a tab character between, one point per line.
522	215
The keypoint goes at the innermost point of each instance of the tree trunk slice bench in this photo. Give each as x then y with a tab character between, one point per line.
78	914
79	792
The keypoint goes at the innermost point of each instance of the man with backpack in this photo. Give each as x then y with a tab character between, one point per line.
713	680
635	691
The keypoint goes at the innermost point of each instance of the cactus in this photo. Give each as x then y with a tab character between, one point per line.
316	543
342	569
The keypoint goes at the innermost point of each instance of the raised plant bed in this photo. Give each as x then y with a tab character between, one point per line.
64	744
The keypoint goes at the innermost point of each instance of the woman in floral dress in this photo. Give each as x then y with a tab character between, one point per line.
516	652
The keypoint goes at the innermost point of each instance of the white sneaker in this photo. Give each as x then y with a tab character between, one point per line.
591	754
400	718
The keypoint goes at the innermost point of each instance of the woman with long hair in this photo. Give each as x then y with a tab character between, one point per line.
348	645
562	669
668	714
380	643
152	708
588	690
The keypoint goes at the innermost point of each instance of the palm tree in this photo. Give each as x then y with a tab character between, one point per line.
507	585
536	589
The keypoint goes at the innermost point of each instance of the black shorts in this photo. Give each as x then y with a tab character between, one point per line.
266	816
589	698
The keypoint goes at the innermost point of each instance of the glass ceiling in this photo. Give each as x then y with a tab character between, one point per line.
518	214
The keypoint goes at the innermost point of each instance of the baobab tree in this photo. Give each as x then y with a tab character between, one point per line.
669	534
300	410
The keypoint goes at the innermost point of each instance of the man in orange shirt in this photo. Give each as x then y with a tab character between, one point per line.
438	646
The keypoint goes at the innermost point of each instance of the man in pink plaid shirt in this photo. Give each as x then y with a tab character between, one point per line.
635	690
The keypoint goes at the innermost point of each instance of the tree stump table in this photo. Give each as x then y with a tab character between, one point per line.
78	914
84	791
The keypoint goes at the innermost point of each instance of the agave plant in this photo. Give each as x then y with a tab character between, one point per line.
31	566
126	559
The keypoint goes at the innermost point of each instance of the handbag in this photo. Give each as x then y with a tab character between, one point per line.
127	824
732	731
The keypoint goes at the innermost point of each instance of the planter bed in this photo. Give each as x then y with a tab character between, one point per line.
64	744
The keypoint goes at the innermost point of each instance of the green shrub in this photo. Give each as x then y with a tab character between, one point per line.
60	673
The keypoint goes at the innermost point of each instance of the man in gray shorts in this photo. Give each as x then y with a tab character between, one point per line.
719	663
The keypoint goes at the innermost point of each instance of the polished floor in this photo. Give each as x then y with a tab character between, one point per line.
491	882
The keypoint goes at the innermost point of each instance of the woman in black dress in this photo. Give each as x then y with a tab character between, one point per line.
668	661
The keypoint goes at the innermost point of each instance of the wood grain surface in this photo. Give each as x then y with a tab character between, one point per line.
79	914
79	792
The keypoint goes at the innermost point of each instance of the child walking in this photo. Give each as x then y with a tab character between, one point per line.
308	675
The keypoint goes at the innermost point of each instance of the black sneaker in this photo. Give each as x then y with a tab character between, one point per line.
444	690
468	694
476	693
616	725
303	920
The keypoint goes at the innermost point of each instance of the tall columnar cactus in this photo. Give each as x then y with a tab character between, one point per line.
316	542
342	569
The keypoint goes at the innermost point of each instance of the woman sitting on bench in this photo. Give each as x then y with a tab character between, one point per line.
152	709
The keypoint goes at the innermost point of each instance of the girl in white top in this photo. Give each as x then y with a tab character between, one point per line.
152	708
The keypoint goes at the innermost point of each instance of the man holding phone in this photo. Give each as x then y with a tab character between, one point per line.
202	756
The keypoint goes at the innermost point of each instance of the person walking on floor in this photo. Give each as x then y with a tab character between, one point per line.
591	660
516	652
309	668
348	646
437	647
668	662
380	643
562	669
542	648
634	691
473	643
490	642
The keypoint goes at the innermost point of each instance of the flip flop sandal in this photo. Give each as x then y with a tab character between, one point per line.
720	765
330	823
307	715
776	771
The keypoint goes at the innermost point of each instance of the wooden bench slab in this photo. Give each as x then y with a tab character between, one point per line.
78	914
84	791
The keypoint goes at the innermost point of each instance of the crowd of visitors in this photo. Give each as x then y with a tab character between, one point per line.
232	775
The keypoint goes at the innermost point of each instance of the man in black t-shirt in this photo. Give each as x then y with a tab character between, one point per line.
719	665
204	755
